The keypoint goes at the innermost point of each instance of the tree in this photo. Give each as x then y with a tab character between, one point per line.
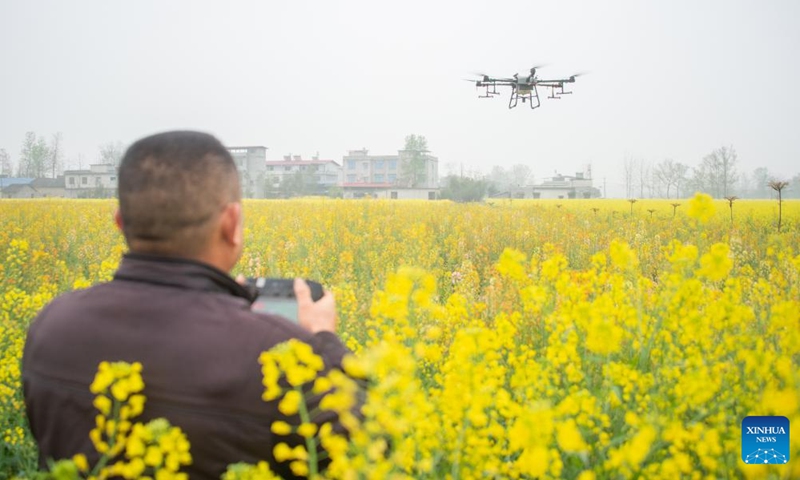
520	174
464	189
718	172
628	166
55	164
111	153
671	173
34	156
499	179
794	187
6	168
760	182
412	167
644	175
297	184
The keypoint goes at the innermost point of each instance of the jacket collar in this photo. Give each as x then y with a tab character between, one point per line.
181	273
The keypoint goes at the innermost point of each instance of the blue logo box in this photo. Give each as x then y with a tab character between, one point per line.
765	440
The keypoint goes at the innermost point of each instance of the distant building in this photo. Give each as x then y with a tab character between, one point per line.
100	181
559	186
380	175
251	164
32	187
20	190
308	177
369	190
6	184
51	187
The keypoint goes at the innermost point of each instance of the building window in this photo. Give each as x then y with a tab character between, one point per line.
287	168
270	168
72	180
391	177
351	179
392	164
378	178
379	164
113	179
84	180
364	165
351	164
394	195
431	195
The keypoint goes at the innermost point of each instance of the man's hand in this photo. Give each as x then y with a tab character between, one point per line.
319	316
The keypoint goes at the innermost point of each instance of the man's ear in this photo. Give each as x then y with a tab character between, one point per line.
231	223
118	220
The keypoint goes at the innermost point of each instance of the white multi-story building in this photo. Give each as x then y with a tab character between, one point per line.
99	181
318	176
375	175
250	162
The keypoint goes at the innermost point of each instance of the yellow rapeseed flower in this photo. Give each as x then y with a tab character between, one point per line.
717	263
280	428
290	403
701	207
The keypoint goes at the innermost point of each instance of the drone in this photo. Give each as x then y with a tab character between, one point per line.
523	87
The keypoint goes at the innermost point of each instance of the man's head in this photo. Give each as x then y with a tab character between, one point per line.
179	195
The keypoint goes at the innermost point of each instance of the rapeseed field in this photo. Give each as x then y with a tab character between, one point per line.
588	339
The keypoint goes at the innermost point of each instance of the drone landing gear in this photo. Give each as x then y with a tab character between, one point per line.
556	95
531	96
489	93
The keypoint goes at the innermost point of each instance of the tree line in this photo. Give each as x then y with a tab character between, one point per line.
43	157
717	174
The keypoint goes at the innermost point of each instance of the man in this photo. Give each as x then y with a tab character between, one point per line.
173	307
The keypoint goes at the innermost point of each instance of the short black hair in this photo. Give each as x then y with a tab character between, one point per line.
171	185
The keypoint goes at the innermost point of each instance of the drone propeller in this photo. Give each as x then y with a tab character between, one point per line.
480	74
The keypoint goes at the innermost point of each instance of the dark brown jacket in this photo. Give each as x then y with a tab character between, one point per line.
191	327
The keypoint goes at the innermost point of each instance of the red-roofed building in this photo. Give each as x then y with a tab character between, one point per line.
389	176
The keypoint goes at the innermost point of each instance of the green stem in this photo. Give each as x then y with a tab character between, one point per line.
112	438
311	444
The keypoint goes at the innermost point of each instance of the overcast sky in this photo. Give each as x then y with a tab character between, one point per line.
671	79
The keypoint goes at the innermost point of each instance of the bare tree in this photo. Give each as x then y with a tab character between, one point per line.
111	153
671	173
55	162
628	166
794	187
6	168
718	172
520	174
644	178
760	182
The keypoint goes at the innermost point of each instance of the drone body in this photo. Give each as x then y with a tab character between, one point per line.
523	87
